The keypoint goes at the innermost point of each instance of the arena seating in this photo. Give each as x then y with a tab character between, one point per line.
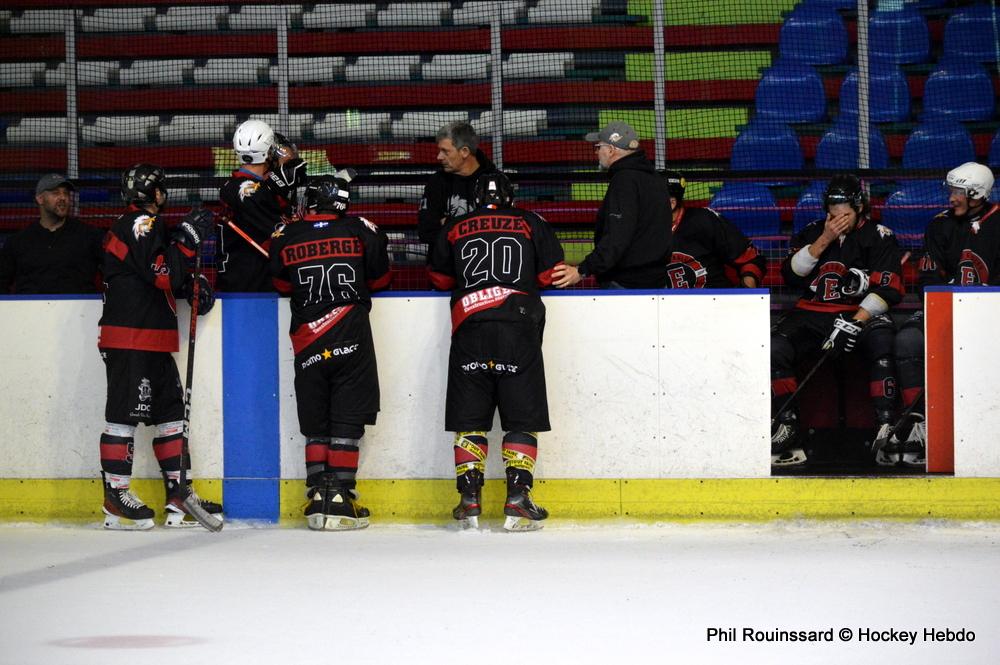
938	143
899	35
791	92
888	94
970	33
909	210
960	90
766	145
814	33
750	206
809	207
838	149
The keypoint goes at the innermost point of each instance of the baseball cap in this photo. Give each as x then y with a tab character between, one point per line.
619	134
51	181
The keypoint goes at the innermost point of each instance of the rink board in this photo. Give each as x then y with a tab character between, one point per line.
659	407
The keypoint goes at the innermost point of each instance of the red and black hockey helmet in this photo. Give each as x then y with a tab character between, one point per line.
846	188
493	189
140	182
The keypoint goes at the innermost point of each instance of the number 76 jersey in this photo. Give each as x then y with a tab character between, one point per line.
494	260
328	265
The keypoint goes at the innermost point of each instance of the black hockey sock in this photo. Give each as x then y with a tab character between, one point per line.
117	449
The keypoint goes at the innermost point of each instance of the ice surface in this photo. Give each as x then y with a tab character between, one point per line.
568	594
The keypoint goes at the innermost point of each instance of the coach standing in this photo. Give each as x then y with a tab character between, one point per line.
632	233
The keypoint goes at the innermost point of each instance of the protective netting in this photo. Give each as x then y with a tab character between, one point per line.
756	101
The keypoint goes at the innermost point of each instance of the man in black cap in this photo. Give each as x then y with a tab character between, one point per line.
632	234
59	253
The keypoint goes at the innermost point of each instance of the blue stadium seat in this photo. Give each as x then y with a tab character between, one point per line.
960	90
791	92
899	36
911	208
888	95
838	149
763	146
938	144
809	206
970	34
833	4
814	34
748	205
994	158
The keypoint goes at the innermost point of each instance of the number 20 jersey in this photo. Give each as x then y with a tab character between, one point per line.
328	265
494	260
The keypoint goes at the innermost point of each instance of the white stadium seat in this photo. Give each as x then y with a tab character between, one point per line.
421	124
231	70
332	16
119	130
297	122
155	72
20	74
563	11
515	122
351	126
312	70
37	130
537	65
411	14
88	72
198	128
40	20
481	12
118	19
190	18
262	17
457	66
383	68
380	193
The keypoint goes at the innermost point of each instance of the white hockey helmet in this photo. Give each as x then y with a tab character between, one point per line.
976	179
252	141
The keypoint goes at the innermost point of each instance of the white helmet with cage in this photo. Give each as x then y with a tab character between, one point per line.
976	179
252	141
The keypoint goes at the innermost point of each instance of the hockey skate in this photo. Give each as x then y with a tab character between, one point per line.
186	509
469	508
332	508
884	453
522	513
124	511
907	444
785	450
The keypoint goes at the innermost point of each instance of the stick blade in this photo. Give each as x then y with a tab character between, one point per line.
202	516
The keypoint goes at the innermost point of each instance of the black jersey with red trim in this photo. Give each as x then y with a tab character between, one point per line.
494	260
964	251
328	265
257	210
705	244
142	270
869	247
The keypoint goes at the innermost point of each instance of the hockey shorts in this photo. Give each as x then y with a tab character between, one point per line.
496	364
336	378
143	387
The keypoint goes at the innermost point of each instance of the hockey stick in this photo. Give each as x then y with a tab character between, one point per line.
906	418
194	509
802	384
243	234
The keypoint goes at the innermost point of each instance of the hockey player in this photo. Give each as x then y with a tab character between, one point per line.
144	267
849	270
708	250
258	197
961	248
494	259
328	263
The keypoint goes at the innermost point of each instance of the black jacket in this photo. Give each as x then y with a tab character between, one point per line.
448	195
632	237
36	260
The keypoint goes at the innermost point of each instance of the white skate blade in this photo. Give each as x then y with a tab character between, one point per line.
316	521
515	524
883	458
342	523
181	520
791	457
116	523
467	523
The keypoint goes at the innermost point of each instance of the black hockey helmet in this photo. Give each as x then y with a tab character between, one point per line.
140	182
493	189
330	193
676	184
846	188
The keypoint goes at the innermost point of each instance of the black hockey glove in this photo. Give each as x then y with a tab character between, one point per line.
286	177
195	227
206	297
844	335
853	283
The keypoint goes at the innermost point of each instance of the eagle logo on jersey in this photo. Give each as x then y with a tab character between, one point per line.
686	272
142	225
248	188
371	226
279	231
884	231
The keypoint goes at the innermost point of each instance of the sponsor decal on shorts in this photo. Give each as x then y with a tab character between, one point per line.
329	353
489	366
143	407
